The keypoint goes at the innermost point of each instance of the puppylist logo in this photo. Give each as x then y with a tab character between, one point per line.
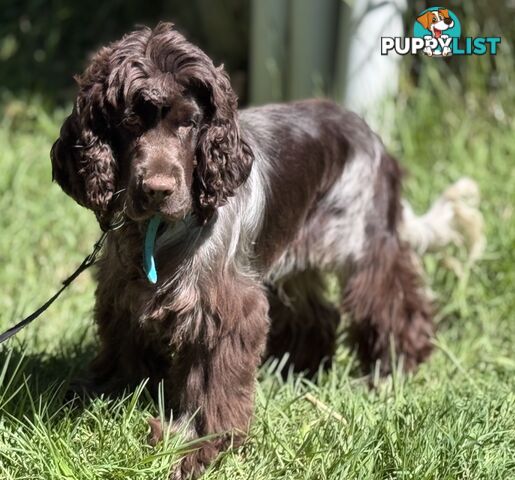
437	33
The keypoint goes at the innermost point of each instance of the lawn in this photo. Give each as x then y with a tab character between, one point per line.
454	418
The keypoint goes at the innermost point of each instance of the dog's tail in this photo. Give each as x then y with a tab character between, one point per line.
454	218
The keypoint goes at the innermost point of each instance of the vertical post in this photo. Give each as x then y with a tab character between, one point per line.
269	56
306	48
312	47
366	79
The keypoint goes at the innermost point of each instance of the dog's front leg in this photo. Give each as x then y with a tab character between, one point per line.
212	381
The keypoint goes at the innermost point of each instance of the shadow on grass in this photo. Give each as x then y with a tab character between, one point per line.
36	383
54	384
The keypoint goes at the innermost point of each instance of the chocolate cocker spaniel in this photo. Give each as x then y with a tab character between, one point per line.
254	207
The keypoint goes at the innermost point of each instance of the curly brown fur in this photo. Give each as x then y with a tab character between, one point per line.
127	78
275	196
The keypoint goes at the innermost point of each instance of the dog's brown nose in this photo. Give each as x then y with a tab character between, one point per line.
447	20
158	187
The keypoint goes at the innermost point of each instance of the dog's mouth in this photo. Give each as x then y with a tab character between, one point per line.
438	33
141	211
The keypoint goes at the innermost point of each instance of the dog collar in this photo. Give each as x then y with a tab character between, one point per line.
149	263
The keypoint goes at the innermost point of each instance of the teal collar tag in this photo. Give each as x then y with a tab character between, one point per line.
149	263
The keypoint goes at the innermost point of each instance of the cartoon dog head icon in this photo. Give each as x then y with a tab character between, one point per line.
436	21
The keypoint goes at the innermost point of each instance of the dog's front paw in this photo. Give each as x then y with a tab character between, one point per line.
194	464
189	468
447	52
156	431
428	51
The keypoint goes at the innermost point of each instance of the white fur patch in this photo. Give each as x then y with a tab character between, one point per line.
354	193
342	236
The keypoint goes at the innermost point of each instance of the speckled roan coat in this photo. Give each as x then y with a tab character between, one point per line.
258	204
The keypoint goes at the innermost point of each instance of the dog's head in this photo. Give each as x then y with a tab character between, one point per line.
154	129
436	21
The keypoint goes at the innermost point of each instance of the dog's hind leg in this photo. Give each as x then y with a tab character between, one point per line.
389	311
303	323
384	295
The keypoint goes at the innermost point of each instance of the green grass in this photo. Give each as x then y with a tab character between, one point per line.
455	418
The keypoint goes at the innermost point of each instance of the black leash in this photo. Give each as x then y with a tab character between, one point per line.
88	261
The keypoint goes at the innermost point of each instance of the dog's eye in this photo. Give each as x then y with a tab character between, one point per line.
132	121
190	122
164	111
142	116
194	121
146	112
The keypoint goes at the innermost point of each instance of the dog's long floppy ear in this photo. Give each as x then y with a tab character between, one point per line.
82	159
425	20
224	160
444	12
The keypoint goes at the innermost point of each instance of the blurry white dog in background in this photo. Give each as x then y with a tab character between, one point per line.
453	219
